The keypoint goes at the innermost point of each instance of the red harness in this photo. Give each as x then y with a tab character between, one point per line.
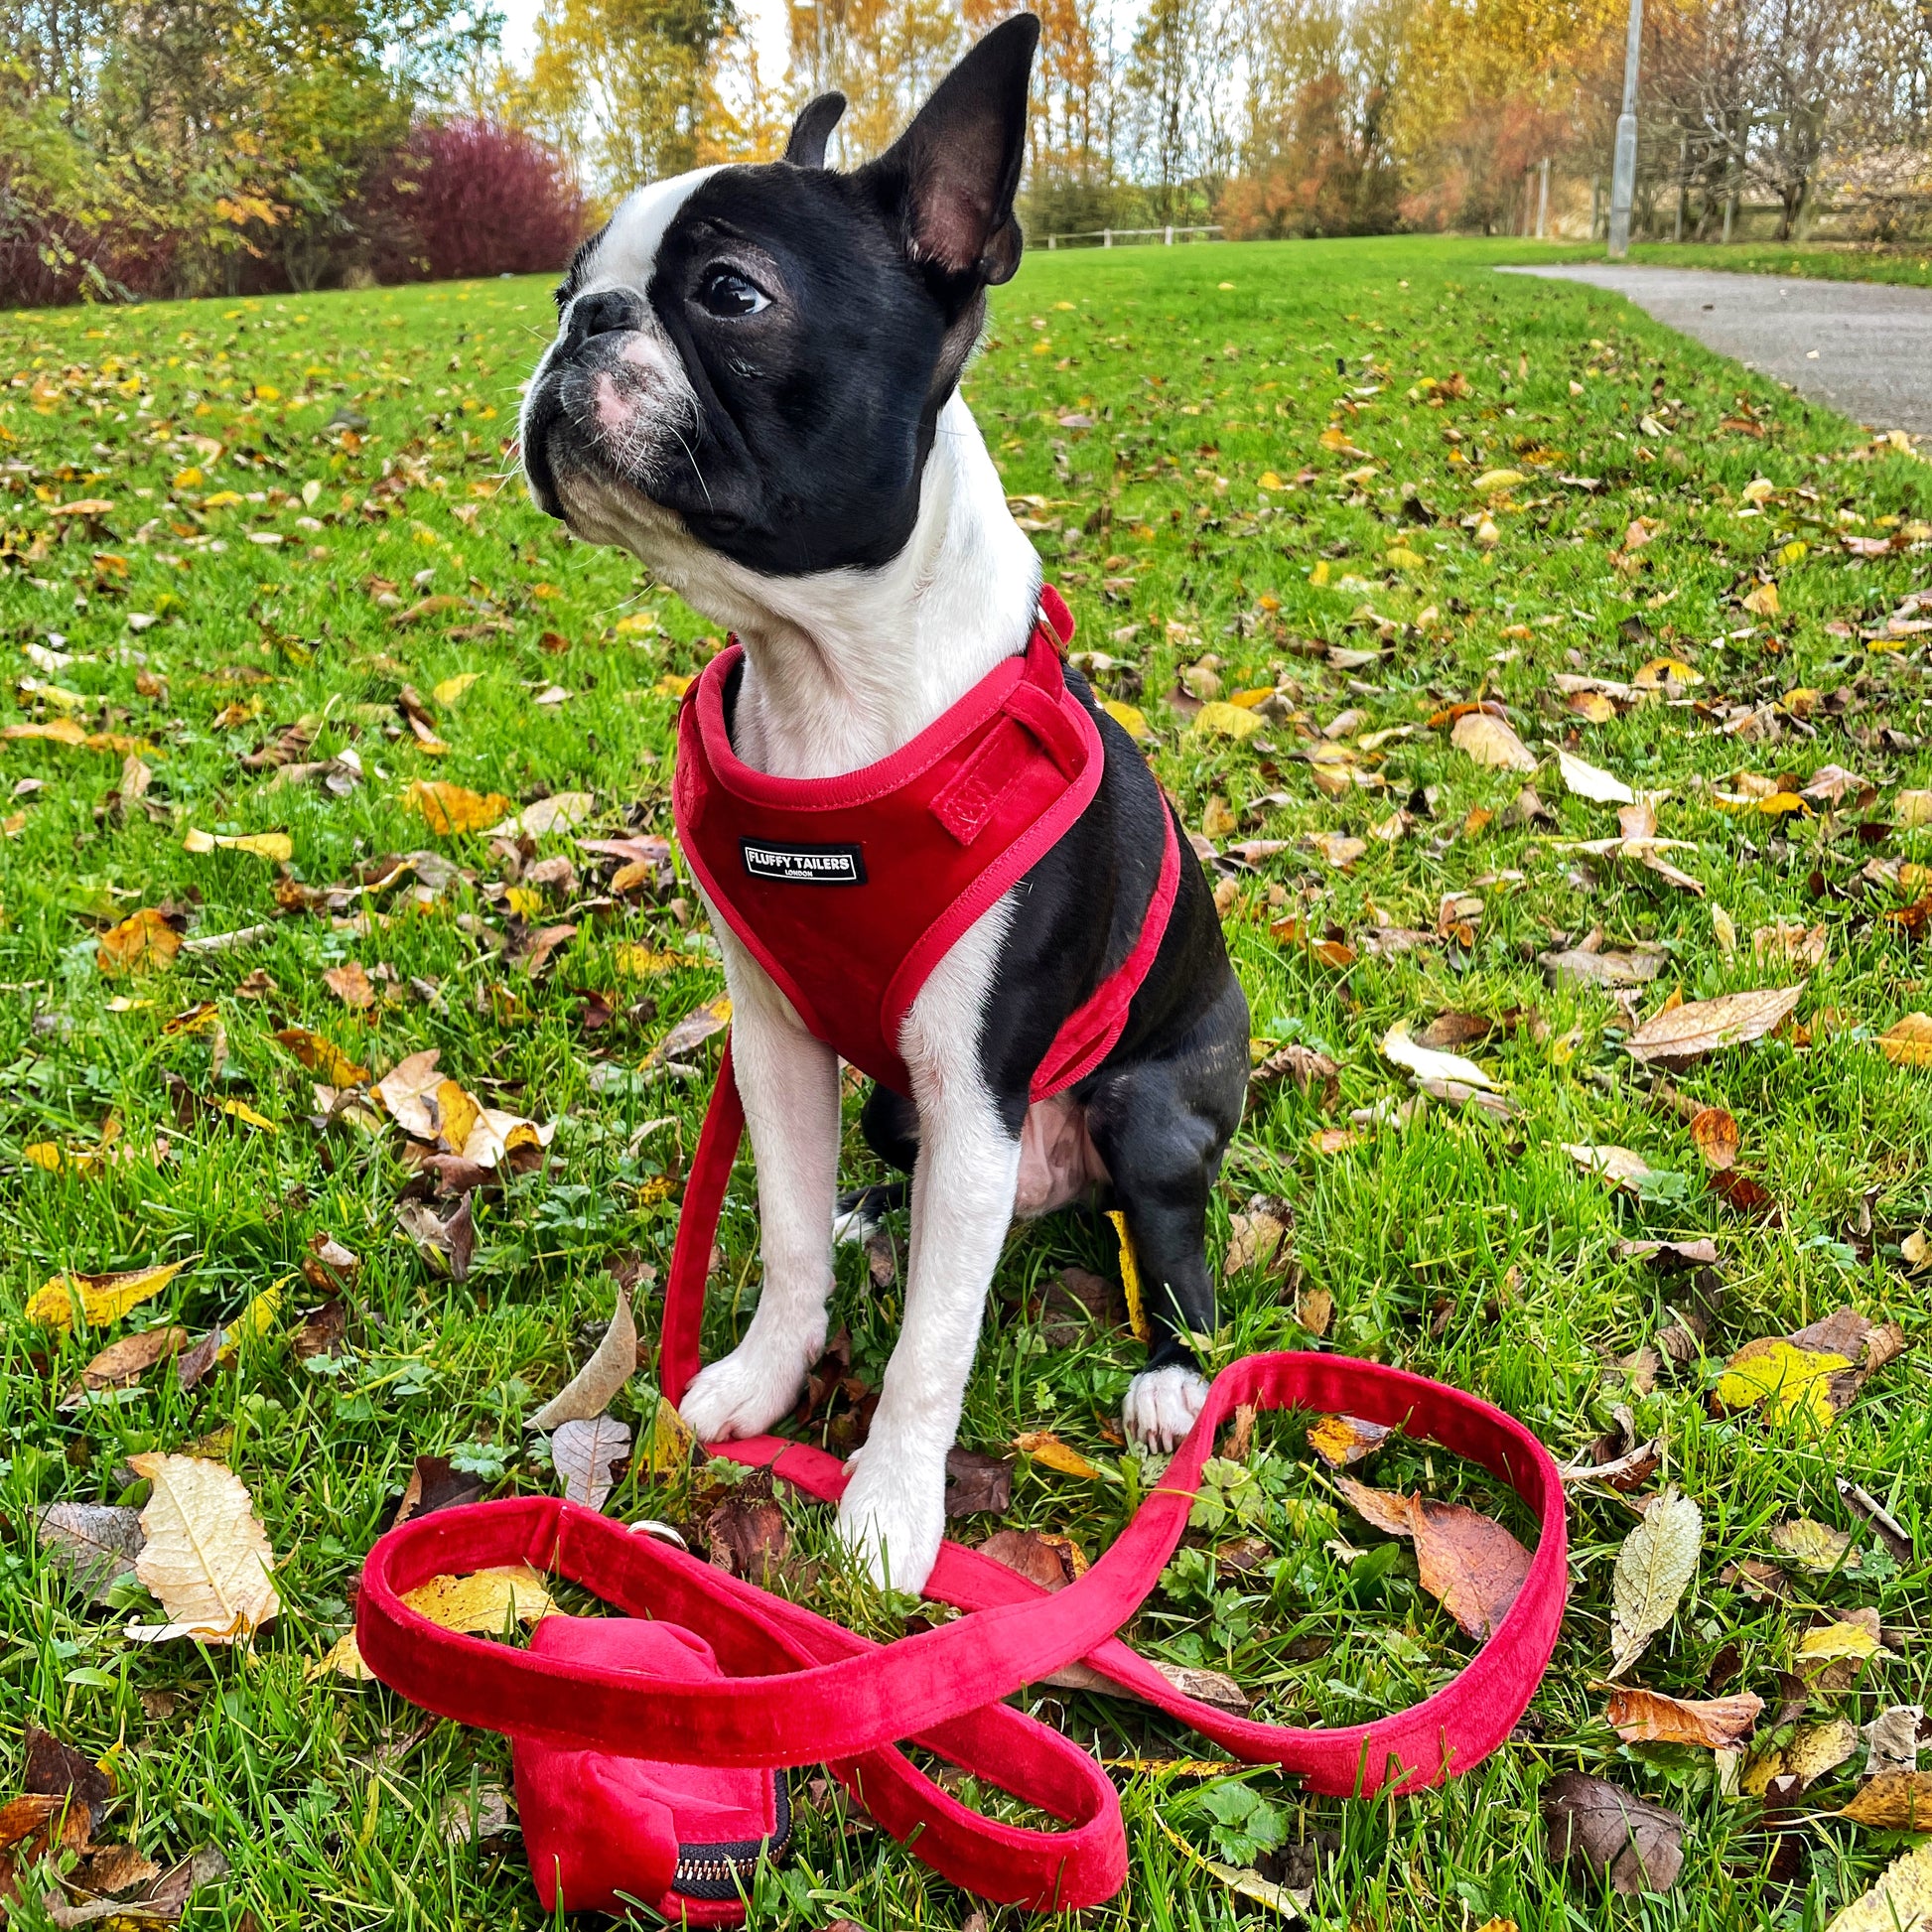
850	890
643	1750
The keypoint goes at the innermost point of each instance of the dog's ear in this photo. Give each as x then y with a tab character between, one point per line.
949	179
812	129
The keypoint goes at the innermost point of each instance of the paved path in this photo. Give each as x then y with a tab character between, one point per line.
1864	349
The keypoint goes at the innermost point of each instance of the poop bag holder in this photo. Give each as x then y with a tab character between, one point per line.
602	1829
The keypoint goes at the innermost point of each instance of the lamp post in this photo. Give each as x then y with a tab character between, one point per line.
1624	172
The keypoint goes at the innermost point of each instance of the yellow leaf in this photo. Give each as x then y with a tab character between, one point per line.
1661	671
1269	480
1044	1447
1402	558
141	943
524	901
102	1297
640	962
478	1604
1130	1278
319	1056
1130	718
188	478
1832	1641
1908	1043
42	1153
1787	1379
456	1116
671	685
1794	551
667	1444
240	1110
277	847
1500	480
221	499
1490	740
1223	720
452	688
451	809
638	623
1763	601
1319	576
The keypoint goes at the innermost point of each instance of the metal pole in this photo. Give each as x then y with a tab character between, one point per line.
1542	202
1596	203
1623	173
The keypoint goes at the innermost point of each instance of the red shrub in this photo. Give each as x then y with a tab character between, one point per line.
470	198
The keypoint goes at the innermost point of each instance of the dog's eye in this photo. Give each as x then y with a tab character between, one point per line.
724	292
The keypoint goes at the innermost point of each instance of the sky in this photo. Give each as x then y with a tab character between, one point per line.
768	18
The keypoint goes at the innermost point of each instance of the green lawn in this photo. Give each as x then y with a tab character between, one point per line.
1162	415
1831	262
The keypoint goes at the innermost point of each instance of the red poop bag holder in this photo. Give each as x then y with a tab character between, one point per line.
648	1758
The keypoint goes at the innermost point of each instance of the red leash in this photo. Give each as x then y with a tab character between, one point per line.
799	1690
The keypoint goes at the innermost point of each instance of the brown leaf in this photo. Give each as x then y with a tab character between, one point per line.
745	1533
693	1029
1341	1440
1716	1136
1603	1833
1490	740
1304	1066
1791	944
1634	968
595	1386
1051	1561
96	1543
144	942
350	985
977	1484
590	1457
193	1365
446	1243
434	1486
1470	1563
1686	1033
60	1771
1449	1030
323	1332
1641	1717
1893	1801
123	1363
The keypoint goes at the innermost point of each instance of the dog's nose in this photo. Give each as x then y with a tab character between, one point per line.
605	312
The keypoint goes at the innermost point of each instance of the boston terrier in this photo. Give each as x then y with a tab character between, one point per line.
755	388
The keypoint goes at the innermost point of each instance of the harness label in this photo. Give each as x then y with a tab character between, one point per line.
805	865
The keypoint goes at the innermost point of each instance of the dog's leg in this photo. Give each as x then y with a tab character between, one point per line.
791	1087
1161	1128
968	1163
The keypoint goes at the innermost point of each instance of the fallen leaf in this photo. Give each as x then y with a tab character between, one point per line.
482	1603
1607	1834
589	1456
144	942
1686	1033
102	1297
977	1484
1852	1639
447	1242
1219	719
1786	1380
1470	1563
1901	1900
123	1363
668	1446
696	1026
1908	1041
1791	943
1615	1164
432	1487
1130	718
1714	1135
1891	1740
595	1386
320	1056
1635	968
453	688
1051	1561
1587	782
207	1557
745	1533
277	847
1428	1064
1256	1239
1048	1448
557	813
1814	1750
1342	1441
1490	740
1641	1717
94	1542
350	985
1653	1570
450	809
1812	1544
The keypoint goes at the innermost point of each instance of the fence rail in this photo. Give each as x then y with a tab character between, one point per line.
1124	237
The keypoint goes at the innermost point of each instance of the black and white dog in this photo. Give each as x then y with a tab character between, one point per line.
755	389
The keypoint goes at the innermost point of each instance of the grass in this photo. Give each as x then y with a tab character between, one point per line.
1909	262
1471	1251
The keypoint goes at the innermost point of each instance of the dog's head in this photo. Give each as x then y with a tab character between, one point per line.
754	359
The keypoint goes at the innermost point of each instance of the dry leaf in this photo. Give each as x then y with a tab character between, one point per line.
1908	1041
94	1542
1791	943
1341	1440
1814	1750
595	1386
207	1557
1641	1717
1786	1379
1634	968
977	1484
478	1604
1587	782
102	1297
1683	1034
1901	1900
350	985
589	1456
1653	1570
1488	740
1716	1136
1470	1563
144	942
319	1056
1892	1739
447	1242
1812	1544
557	813
123	1363
1046	1448
450	809
1428	1064
696	1026
1615	1164
1636	1845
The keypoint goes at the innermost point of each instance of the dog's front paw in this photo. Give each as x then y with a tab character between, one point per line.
892	1516
1161	1406
745	1393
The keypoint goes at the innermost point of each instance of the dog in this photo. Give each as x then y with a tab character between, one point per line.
755	389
